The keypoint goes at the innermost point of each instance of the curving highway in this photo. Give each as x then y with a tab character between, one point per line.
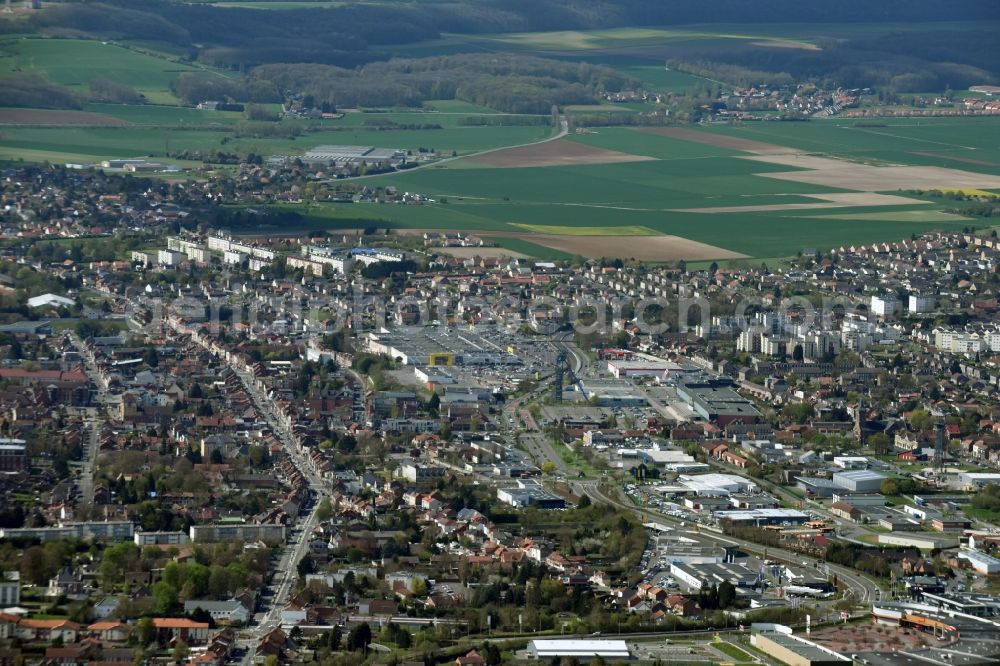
863	589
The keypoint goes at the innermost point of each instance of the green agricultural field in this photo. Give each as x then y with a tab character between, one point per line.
446	119
277	4
462	140
75	144
660	79
586	40
529	248
150	114
617	199
585	231
970	144
94	144
758	235
75	62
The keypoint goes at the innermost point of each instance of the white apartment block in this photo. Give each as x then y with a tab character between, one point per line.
233	258
918	303
885	306
963	342
170	258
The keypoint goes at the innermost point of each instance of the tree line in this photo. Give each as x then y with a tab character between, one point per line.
893	61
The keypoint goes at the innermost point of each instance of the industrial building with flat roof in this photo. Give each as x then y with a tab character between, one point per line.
693	576
686	551
612	392
761	517
530	492
716	400
921	540
439	346
796	651
641	368
578	649
860	480
977	480
981	562
717	484
353	153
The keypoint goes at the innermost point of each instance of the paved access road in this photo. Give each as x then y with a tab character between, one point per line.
863	589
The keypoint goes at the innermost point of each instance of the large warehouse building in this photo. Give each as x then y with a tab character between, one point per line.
860	480
439	346
716	400
578	649
796	651
716	484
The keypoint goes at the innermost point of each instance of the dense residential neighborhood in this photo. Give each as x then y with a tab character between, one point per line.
222	441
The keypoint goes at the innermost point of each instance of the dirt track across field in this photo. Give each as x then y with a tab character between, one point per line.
554	153
719	140
832	200
49	117
842	174
953	158
645	248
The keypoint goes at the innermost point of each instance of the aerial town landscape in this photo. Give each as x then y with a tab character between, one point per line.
378	332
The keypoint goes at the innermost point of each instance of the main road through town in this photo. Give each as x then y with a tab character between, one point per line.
286	571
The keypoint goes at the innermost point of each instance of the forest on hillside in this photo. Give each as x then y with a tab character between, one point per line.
354	34
344	56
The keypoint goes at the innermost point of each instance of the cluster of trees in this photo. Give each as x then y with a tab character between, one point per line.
352	71
312	371
624	120
386	124
103	89
194	87
306	35
194	580
27	89
506	120
383	269
894	62
869	560
511	83
239	218
716	597
734	74
903	485
988	499
977	210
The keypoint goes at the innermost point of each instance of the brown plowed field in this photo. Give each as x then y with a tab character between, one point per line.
50	117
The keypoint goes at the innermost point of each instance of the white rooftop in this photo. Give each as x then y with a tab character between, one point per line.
579	648
716	482
50	299
976	556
